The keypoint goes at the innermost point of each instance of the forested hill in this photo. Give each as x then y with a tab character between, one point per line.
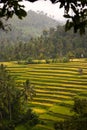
30	26
52	44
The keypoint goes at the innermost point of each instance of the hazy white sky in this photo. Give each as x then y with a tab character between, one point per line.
47	7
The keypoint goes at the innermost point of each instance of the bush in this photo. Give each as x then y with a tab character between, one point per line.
30	119
79	120
54	60
30	61
47	61
65	59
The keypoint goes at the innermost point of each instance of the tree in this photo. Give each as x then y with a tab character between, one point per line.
28	90
9	101
79	120
76	19
80	106
12	110
78	15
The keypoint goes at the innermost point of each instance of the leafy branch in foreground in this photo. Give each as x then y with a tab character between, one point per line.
74	10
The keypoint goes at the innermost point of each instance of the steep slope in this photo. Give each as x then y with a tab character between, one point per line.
30	26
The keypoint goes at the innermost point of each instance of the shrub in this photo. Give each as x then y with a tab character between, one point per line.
30	60
47	61
30	119
54	60
65	59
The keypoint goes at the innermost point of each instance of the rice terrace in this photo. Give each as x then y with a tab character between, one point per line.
56	84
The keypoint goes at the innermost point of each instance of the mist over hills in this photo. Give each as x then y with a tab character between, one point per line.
30	26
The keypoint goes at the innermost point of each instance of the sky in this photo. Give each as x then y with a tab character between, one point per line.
52	10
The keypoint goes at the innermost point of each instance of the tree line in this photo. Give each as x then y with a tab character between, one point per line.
53	43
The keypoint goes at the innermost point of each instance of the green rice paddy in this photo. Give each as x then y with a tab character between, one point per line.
55	86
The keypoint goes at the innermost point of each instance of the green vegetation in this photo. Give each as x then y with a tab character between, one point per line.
77	19
56	85
79	120
53	44
14	108
31	26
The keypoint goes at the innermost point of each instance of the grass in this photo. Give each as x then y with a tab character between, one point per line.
49	117
55	84
41	127
61	110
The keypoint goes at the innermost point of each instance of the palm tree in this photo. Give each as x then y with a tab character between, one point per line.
29	91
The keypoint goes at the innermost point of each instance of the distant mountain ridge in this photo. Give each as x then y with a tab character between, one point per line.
31	26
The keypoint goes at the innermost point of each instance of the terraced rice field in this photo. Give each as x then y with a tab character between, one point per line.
55	85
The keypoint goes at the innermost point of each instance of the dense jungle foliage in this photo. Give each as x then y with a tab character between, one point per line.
53	43
14	108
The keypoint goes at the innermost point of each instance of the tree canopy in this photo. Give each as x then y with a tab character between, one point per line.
76	13
14	110
55	44
79	120
74	10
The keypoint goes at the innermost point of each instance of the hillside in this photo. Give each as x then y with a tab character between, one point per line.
30	26
55	85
